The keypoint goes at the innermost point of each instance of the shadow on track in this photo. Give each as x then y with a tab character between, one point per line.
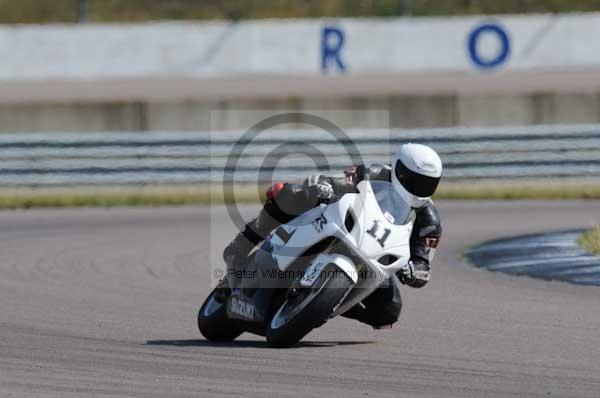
249	343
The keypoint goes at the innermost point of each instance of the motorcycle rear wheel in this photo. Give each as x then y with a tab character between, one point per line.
213	322
311	308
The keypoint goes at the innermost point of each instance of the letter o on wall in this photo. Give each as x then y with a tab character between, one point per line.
504	41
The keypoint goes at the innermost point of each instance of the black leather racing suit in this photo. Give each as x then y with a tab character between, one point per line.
382	307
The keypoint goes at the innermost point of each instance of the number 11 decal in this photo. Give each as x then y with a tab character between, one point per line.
374	231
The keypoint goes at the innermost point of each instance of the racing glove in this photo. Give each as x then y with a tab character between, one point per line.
319	190
407	273
415	274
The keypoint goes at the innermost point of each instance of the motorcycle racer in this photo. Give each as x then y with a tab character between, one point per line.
415	174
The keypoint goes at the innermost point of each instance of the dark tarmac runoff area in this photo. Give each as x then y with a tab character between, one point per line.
551	256
103	302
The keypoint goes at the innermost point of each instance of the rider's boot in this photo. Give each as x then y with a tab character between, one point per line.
381	309
361	314
222	290
235	256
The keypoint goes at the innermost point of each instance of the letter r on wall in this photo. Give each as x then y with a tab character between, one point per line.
332	41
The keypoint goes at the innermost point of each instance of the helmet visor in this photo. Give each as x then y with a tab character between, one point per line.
417	184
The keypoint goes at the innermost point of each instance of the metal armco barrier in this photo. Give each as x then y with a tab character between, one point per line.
550	152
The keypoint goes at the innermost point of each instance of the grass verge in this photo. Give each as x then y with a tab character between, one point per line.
590	240
182	196
99	200
40	11
117	197
464	191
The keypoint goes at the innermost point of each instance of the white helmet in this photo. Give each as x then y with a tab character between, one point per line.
416	173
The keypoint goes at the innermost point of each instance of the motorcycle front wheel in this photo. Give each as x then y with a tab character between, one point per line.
306	308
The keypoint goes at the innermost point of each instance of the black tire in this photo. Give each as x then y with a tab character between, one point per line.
328	292
213	322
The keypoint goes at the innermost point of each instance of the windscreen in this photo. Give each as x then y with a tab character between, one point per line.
393	207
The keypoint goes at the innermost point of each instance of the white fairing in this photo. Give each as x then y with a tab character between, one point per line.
420	159
319	263
376	232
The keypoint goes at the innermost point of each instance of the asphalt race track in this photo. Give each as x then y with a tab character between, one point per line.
104	302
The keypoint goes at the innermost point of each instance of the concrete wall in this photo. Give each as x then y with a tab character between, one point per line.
73	117
169	76
404	111
305	48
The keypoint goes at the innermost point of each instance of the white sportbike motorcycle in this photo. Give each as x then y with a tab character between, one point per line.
317	266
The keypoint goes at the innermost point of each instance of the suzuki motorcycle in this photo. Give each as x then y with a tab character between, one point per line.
317	266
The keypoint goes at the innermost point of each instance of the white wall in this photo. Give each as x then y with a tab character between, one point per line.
279	58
